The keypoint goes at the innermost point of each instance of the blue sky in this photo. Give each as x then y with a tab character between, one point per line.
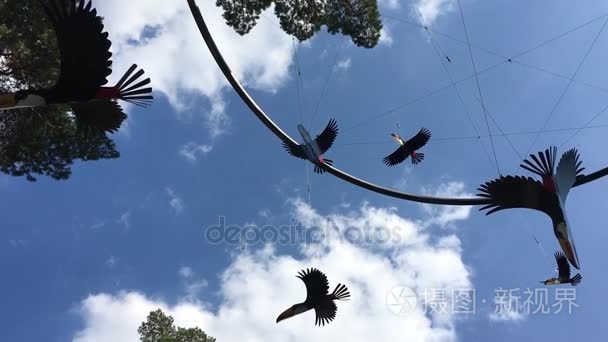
86	259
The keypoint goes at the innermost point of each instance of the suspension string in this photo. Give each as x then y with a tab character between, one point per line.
298	80
327	79
308	183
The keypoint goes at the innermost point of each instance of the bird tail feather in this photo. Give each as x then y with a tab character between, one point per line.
134	93
341	292
417	158
576	279
320	170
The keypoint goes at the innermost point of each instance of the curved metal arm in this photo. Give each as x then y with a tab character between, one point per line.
261	115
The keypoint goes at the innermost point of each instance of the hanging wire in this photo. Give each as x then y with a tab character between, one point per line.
559	100
491	67
330	72
472	137
485	112
585	126
298	80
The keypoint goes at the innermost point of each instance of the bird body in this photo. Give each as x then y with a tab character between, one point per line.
563	269
548	196
408	148
84	66
313	149
317	298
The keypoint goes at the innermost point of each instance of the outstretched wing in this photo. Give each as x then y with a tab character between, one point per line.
419	140
101	115
325	311
396	157
563	267
83	46
516	192
294	150
327	137
316	284
568	169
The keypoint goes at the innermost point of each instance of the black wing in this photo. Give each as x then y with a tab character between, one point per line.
294	150
102	115
396	157
84	49
563	267
517	192
327	137
316	284
419	140
325	311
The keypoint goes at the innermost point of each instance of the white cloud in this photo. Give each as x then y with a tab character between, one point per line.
257	286
125	219
192	150
390	4
111	262
175	201
427	11
386	37
161	36
507	308
185	272
445	216
343	64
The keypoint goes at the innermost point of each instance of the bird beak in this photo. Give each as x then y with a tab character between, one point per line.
396	137
286	314
7	100
569	251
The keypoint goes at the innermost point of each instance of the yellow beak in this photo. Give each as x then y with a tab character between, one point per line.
569	252
7	101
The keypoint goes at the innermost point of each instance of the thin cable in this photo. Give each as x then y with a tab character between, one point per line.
506	60
472	137
327	79
559	100
308	183
439	52
298	80
479	88
584	127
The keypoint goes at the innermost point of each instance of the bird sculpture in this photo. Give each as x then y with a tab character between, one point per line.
313	150
563	272
317	297
408	148
84	65
548	196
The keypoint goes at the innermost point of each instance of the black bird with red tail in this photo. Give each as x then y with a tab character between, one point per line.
549	196
84	50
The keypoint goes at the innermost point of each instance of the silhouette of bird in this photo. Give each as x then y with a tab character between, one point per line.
313	150
317	297
408	148
549	196
563	272
85	64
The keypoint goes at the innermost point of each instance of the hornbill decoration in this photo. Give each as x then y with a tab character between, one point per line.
85	64
549	196
317	297
563	272
408	148
313	150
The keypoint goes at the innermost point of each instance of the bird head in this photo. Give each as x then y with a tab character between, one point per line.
292	311
21	98
550	281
